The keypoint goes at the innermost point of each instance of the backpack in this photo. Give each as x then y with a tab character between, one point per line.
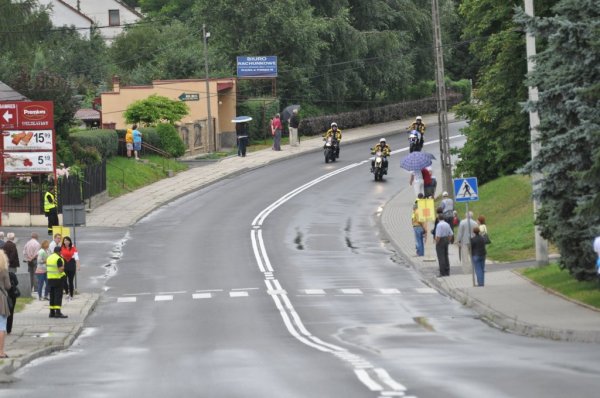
14	281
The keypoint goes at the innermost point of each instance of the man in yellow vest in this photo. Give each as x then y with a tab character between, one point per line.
50	210
55	266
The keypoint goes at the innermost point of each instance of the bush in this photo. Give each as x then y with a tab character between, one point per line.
104	141
149	136
170	141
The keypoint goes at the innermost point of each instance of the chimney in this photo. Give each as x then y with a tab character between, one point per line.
116	84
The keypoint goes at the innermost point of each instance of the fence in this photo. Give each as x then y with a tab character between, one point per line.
28	197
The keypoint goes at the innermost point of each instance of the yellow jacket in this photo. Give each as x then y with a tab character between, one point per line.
385	150
129	136
420	129
329	133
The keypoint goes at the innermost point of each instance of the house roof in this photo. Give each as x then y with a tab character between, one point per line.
133	10
8	94
75	10
87	114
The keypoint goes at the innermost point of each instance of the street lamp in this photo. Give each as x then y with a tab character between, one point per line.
212	136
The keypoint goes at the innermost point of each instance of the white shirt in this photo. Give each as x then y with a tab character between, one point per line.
597	245
418	176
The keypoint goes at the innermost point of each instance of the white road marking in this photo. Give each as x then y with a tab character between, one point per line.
197	296
126	299
314	291
177	292
246	288
364	377
276	291
425	290
385	377
163	298
351	291
238	294
389	291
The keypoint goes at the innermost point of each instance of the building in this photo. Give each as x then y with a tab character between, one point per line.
8	94
109	15
193	128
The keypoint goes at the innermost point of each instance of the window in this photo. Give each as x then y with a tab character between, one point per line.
113	18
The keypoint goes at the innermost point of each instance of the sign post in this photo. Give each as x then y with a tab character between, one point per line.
466	190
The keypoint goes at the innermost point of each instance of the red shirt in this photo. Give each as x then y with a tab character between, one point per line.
67	254
426	176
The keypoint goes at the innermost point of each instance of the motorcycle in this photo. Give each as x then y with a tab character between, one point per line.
414	141
378	168
330	149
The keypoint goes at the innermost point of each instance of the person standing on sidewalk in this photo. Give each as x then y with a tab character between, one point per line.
50	210
597	250
11	252
69	253
443	236
416	181
241	130
4	305
420	231
40	271
276	128
57	241
294	122
465	233
30	254
478	253
2	239
55	266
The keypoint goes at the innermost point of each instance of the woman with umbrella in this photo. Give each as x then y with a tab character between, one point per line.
242	133
415	162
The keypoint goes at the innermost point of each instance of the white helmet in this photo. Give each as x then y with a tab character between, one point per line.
334	124
382	140
419	118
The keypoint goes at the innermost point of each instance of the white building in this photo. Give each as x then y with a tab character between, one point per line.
109	15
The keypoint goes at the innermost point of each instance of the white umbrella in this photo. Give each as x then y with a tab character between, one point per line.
241	119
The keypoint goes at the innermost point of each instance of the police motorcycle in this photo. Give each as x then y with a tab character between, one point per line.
378	169
330	149
414	141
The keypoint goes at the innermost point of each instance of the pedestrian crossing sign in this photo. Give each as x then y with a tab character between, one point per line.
465	189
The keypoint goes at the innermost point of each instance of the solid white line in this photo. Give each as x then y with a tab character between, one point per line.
261	267
385	377
209	290
163	298
138	294
178	292
197	296
126	299
238	294
263	251
245	288
364	377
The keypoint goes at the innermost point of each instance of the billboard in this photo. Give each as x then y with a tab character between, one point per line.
253	67
22	115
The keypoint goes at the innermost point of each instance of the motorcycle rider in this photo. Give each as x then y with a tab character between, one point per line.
336	134
385	150
420	127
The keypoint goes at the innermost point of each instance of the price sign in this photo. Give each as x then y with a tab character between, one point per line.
28	140
28	162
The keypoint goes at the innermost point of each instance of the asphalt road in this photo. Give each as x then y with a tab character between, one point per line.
276	283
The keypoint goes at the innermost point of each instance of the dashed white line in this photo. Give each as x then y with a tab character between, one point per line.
314	291
238	294
389	291
426	290
197	296
351	291
163	298
126	299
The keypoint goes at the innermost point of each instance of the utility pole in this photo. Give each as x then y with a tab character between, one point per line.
441	101
212	138
541	245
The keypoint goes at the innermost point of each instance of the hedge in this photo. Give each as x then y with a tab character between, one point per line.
104	141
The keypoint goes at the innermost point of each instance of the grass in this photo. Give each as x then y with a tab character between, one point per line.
22	302
508	209
125	175
553	278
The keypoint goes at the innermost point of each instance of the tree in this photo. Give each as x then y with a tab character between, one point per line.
156	109
567	74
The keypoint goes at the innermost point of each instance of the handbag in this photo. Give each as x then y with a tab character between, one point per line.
486	239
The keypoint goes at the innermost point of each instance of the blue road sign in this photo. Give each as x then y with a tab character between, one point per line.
465	189
256	67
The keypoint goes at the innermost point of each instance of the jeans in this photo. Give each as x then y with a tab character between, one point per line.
41	280
419	240
479	264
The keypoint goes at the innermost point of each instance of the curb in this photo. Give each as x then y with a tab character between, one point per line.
13	364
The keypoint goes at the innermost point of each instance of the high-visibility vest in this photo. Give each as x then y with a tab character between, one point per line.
49	202
52	266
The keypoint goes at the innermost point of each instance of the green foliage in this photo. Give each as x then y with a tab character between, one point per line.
150	136
567	74
156	109
94	143
262	111
170	141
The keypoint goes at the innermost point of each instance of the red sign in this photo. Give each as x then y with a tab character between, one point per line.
22	115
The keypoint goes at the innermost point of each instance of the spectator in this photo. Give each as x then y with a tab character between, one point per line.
483	229
478	252
129	141
57	241
50	210
430	182
69	253
294	122
241	130
276	128
465	233
30	254
1	239
448	208
40	272
416	181
11	252
597	250
4	304
420	231
137	141
443	237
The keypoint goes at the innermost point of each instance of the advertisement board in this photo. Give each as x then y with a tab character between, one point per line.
253	67
23	115
27	140
28	162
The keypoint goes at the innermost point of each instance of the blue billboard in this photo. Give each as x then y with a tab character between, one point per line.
257	66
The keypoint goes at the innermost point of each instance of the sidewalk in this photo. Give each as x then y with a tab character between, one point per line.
507	301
